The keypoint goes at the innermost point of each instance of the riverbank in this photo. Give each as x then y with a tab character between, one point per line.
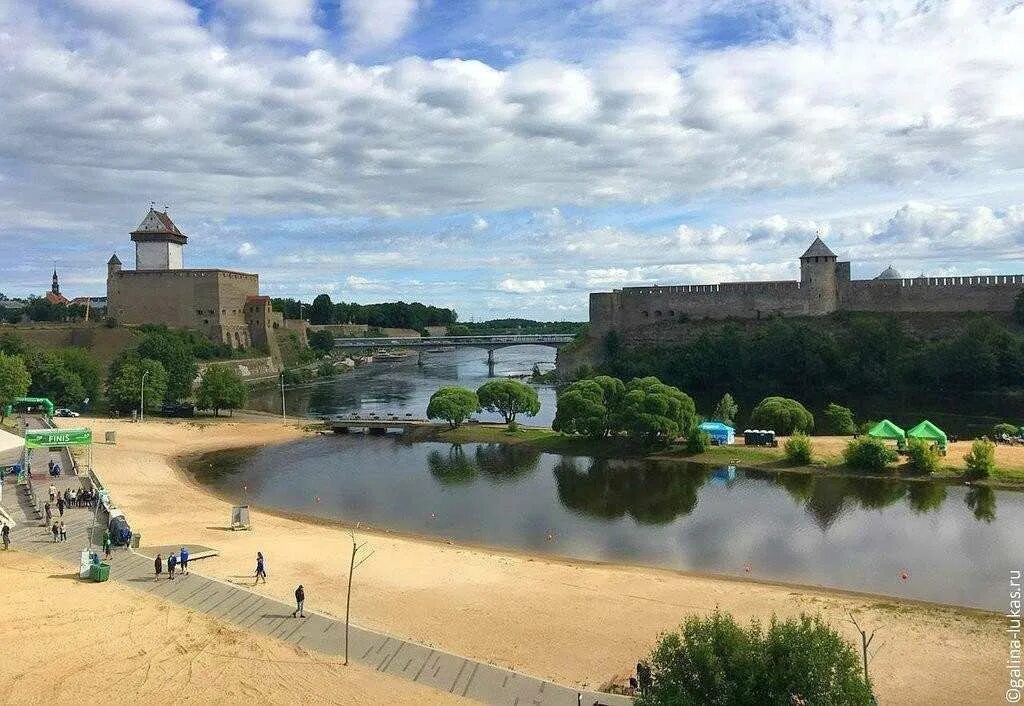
572	622
827	453
107	643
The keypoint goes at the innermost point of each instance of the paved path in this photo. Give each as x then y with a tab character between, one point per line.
254	611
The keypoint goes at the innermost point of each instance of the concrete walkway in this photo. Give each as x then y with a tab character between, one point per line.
253	611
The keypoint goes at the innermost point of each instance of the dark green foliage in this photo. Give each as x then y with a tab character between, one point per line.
452	404
982	502
172	350
53	379
125	383
654	413
923	456
981	459
509	398
714	660
1005	429
41	309
325	369
321	311
782	415
497	327
85	365
14	380
590	407
799	450
11	343
839	420
698	441
725	410
868	454
221	388
320	341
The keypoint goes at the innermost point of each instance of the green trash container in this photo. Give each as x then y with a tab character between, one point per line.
99	572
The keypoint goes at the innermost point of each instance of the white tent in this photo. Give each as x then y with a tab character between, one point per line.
12	448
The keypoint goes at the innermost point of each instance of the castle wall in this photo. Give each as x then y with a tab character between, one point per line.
994	293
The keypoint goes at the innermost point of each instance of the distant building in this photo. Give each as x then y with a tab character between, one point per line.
824	287
224	305
54	296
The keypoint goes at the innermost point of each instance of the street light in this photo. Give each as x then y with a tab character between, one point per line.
282	395
142	397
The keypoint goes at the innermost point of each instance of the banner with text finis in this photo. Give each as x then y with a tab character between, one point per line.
45	438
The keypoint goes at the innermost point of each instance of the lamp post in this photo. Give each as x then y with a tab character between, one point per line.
142	397
282	396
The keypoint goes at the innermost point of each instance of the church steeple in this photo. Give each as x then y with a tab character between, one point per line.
55	287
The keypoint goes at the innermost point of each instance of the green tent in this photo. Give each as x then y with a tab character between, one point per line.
887	430
929	432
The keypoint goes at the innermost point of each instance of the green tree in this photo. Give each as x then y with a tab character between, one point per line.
124	383
782	415
590	407
868	454
53	379
321	311
698	441
656	413
14	380
176	357
1004	428
923	456
221	388
452	404
839	420
714	660
725	410
509	398
321	341
981	459
799	450
86	366
1018	308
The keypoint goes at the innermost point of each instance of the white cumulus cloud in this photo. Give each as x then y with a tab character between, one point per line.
522	286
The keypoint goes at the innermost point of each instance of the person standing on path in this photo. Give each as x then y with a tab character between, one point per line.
63	532
261	568
6	534
158	567
107	543
55	530
183	560
172	560
300	598
60	505
49	513
53	492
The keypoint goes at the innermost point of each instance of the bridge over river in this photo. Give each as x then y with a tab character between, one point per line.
488	343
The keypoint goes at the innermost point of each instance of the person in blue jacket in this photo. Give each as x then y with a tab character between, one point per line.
183	560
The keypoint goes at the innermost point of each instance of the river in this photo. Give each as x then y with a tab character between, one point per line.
920	540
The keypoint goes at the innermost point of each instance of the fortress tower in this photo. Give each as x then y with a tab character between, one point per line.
158	243
818	278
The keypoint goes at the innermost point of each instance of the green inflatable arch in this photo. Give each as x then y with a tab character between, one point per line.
30	401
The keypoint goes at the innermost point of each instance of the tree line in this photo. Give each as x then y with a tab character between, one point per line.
322	310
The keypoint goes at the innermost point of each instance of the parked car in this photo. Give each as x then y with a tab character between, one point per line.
65	412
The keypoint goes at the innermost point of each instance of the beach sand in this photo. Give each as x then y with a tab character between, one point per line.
68	642
571	622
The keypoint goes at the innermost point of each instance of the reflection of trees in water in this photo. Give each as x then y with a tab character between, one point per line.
982	502
648	492
498	462
826	497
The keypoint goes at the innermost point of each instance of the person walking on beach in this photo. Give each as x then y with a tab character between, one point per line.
261	568
172	560
55	530
6	534
63	532
107	542
49	513
53	492
183	560
60	505
158	567
300	598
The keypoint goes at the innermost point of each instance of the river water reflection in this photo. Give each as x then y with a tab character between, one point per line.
956	543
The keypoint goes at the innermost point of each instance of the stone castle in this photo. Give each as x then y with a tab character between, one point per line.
224	305
824	287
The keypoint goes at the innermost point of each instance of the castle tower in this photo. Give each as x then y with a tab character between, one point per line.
818	279
158	243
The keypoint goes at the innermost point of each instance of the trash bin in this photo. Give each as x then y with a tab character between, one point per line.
100	572
110	437
136	540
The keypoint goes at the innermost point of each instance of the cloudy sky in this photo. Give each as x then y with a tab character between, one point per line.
505	157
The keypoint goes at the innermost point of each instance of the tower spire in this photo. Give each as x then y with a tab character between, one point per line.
55	286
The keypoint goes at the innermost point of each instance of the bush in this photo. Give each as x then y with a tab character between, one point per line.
781	414
713	660
325	369
865	426
698	441
981	459
452	404
923	456
869	454
839	420
1004	428
798	450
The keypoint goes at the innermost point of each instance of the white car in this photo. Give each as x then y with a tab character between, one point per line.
65	412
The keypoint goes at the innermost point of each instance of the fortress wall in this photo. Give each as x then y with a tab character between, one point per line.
981	293
232	289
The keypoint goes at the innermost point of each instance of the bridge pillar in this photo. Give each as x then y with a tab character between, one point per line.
419	358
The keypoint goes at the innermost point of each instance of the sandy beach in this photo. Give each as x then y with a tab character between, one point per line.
106	643
575	623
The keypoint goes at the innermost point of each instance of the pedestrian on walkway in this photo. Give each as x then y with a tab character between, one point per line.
6	534
300	598
158	566
49	513
261	568
49	466
56	530
53	492
183	560
107	542
172	560
60	505
63	532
